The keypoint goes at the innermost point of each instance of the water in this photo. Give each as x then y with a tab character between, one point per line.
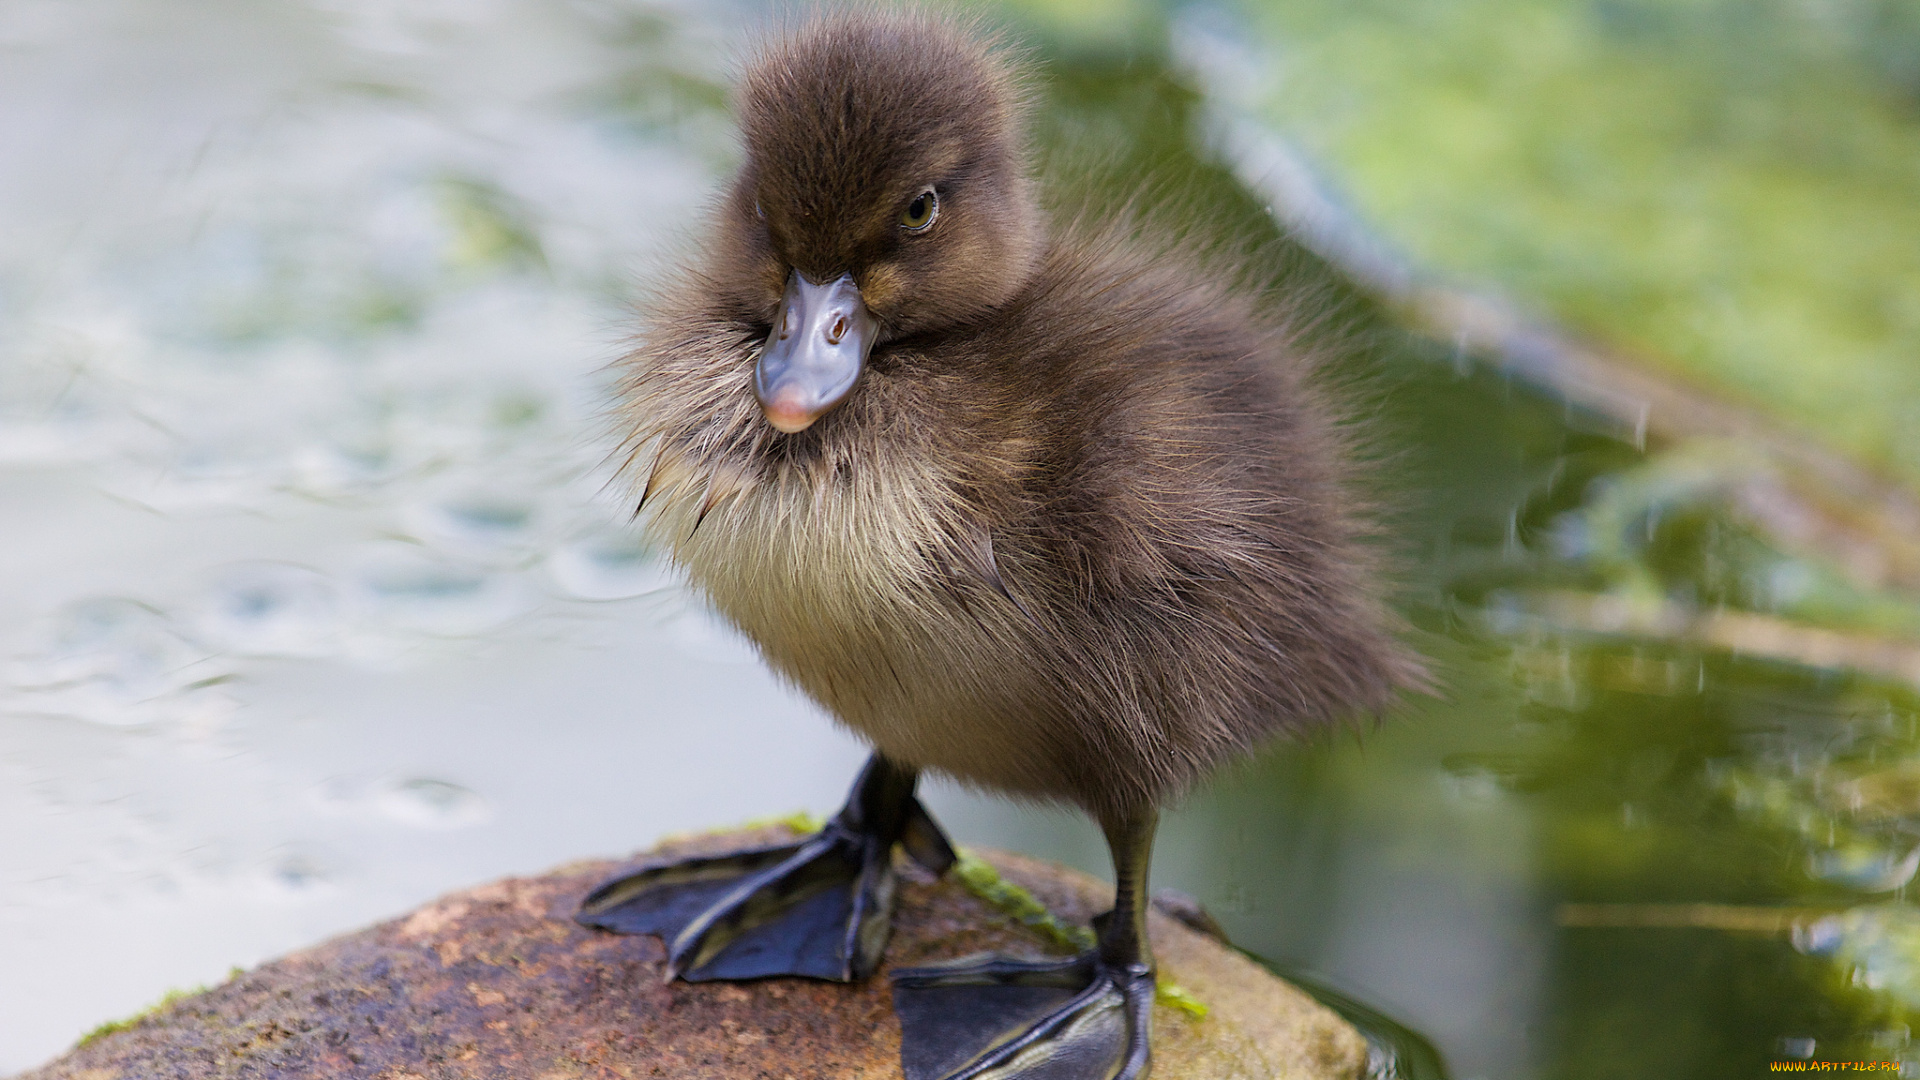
317	602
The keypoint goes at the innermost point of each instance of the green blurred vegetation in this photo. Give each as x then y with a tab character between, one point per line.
1728	190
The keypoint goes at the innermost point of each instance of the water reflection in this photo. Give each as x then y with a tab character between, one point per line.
270	609
116	662
608	564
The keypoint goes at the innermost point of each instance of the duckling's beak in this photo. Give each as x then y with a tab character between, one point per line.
820	340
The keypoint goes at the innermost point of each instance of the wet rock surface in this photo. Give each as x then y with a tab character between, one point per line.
499	982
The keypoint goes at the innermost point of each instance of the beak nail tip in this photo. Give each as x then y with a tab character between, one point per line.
789	423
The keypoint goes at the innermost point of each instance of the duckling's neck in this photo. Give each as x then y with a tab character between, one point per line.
805	541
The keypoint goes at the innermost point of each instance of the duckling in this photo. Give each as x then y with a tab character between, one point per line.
1056	513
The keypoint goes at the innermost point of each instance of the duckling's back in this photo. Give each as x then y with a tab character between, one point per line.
1173	518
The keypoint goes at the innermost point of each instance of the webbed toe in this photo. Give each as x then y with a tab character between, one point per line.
991	1018
821	908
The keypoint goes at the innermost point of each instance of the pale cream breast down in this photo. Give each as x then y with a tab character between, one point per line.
847	576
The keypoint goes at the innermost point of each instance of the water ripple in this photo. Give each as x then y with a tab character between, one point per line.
118	662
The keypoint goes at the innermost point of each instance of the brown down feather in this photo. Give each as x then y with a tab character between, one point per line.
1083	530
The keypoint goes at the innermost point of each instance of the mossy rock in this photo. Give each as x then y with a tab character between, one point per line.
499	982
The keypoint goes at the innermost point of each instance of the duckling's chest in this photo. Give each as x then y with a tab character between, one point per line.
786	559
841	582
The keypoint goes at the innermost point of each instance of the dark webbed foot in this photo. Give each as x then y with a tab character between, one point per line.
992	1018
1086	1017
820	908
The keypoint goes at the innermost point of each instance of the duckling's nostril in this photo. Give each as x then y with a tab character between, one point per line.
838	330
788	323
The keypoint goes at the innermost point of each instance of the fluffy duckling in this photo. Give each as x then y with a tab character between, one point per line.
1059	515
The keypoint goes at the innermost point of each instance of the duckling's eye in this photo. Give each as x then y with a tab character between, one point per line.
920	212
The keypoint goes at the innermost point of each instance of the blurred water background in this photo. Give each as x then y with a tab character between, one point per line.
315	601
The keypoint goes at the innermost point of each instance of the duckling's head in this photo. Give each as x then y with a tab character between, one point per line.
884	194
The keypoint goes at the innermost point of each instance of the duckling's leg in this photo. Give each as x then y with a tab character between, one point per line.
821	908
1080	1018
